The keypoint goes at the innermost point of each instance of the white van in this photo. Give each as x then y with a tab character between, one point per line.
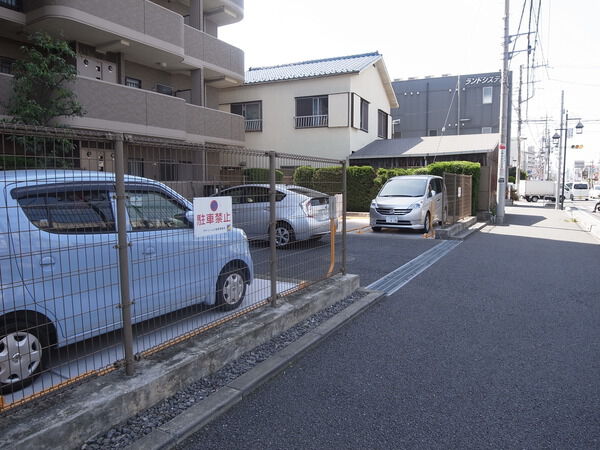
580	191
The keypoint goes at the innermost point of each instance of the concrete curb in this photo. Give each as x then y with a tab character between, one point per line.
66	420
587	221
216	404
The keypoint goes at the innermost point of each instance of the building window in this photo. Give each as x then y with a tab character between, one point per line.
396	132
432	133
252	113
364	115
6	65
487	95
135	166
12	4
382	124
311	112
168	170
133	82
486	130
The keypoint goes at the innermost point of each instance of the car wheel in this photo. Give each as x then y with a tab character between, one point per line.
427	223
22	354
231	288
284	235
376	229
535	198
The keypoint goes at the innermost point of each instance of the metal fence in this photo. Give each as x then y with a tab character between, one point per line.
113	247
458	188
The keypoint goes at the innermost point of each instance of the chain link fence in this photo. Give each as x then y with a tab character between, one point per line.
113	247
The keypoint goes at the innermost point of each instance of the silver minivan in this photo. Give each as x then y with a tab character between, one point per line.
409	201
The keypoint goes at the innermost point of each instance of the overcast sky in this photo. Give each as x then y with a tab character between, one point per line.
435	37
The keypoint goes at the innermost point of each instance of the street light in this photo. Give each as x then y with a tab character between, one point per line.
578	130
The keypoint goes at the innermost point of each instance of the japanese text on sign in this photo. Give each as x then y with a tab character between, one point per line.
492	79
212	215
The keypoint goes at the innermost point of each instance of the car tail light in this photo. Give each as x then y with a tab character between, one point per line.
307	207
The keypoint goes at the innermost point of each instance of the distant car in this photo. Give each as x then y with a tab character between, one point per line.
302	213
595	191
579	191
410	201
59	268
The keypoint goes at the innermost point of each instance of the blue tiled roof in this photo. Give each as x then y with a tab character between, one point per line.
311	69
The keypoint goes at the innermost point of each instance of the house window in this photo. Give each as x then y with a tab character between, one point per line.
12	4
364	115
382	124
486	130
487	95
133	82
6	65
432	133
311	112
252	112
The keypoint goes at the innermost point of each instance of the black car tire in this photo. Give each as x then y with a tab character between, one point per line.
427	223
284	235
231	287
376	229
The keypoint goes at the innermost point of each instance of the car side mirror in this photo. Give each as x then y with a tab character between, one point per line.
432	193
189	216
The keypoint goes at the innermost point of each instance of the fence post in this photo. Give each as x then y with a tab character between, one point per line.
123	248
272	227
344	203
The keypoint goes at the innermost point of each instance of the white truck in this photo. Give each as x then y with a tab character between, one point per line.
534	190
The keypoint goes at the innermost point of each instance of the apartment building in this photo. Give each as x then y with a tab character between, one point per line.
324	108
151	68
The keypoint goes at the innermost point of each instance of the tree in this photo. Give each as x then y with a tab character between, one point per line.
40	94
40	84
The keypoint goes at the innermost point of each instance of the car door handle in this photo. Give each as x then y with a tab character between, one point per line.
149	251
47	261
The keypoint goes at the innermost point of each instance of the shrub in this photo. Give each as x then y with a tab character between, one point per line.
258	175
360	182
303	176
328	180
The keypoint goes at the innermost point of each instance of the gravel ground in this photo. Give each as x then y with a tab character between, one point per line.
143	423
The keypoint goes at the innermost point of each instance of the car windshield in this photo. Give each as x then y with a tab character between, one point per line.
404	187
580	186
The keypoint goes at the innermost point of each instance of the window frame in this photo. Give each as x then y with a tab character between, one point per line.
136	81
382	122
244	106
364	115
135	187
305	121
489	98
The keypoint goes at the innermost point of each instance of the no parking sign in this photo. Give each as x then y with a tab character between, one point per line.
212	215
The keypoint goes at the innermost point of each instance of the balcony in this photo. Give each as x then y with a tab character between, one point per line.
142	30
311	121
253	124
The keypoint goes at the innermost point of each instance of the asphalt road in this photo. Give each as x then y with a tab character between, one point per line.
497	345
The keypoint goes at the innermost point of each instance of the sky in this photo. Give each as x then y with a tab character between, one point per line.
435	37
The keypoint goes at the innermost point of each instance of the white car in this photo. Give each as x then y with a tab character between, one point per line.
595	191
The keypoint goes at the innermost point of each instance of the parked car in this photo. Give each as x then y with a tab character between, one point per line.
302	213
595	191
409	201
59	264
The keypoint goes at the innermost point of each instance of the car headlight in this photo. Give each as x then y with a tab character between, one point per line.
416	205
373	203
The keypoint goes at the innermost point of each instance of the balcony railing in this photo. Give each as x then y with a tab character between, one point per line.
17	5
311	121
253	124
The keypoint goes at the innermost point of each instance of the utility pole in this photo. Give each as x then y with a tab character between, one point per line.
519	127
548	146
560	161
501	194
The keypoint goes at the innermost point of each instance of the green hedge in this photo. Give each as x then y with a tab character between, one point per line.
303	176
328	180
364	182
258	175
360	183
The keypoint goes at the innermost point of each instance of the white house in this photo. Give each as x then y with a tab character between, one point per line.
325	108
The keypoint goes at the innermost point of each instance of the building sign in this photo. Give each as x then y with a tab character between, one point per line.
212	215
487	79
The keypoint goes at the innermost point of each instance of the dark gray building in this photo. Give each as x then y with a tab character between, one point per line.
448	105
